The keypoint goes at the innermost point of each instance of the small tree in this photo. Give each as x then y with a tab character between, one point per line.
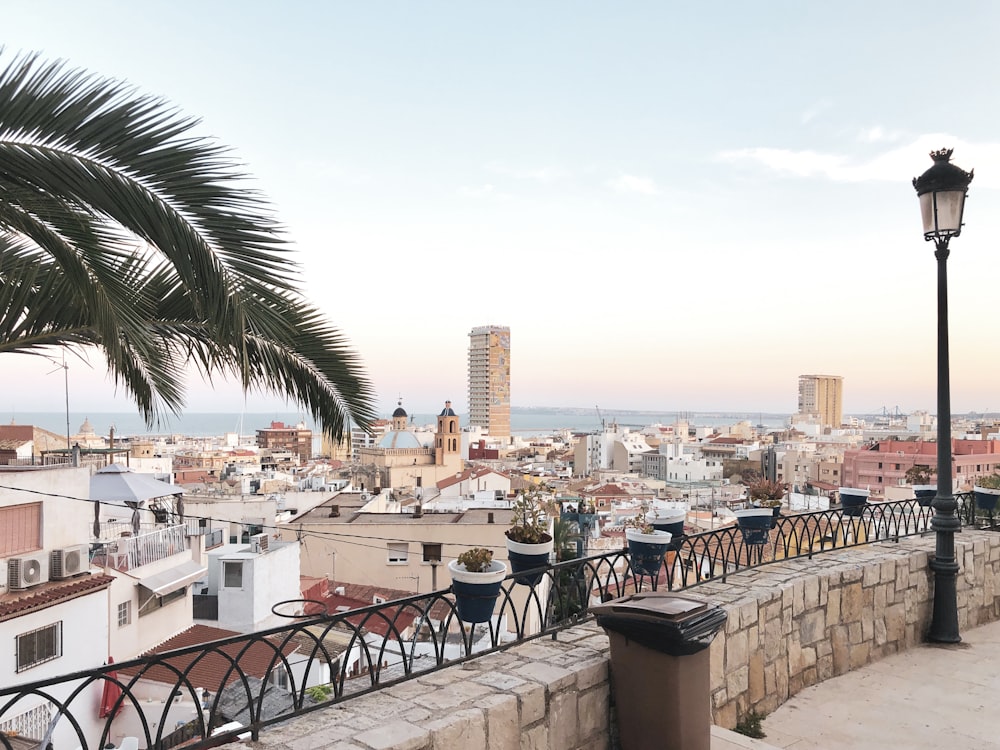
918	474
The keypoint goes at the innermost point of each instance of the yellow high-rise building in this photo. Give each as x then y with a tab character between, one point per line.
822	396
489	379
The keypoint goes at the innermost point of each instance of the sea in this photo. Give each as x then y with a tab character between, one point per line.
525	422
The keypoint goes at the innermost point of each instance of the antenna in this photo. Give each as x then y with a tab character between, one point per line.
65	368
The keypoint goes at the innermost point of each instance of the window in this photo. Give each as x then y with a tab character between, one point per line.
232	573
39	646
398	553
124	614
279	678
432	553
20	529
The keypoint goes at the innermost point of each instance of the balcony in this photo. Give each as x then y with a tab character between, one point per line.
826	595
129	550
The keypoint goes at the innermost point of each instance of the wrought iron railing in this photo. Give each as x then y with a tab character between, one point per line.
324	658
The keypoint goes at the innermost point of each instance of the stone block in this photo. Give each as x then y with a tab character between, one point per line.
563	719
852	602
503	727
593	673
812	627
536	738
798	598
557	678
725	716
466	728
840	642
593	709
756	677
738	681
860	655
531	703
717	661
810	591
833	607
736	651
870	575
395	735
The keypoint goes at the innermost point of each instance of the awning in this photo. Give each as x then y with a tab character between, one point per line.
173	579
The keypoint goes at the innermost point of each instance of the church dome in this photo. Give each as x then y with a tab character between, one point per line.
447	411
400	412
86	428
399	439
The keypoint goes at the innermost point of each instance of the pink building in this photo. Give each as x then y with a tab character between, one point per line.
885	463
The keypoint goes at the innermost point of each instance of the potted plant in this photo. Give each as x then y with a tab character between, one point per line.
919	477
755	524
646	545
529	543
475	582
987	492
853	500
766	493
670	520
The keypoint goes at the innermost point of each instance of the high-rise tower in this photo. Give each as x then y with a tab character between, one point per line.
489	379
822	395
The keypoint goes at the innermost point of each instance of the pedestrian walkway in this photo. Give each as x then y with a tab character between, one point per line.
928	697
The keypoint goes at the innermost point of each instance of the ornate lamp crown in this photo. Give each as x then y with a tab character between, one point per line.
943	175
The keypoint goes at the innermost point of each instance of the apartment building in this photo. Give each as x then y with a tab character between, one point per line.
489	379
282	437
823	396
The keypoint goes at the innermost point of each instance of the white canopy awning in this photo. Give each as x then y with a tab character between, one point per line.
174	578
119	484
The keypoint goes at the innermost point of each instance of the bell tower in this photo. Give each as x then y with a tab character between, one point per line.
448	438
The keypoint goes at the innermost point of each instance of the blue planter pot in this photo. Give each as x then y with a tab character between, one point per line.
476	593
755	525
924	493
646	551
986	499
524	556
853	501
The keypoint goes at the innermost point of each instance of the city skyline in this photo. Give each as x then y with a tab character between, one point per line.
671	208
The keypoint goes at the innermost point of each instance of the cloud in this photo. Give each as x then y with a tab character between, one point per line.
901	163
545	175
480	191
878	135
627	183
814	111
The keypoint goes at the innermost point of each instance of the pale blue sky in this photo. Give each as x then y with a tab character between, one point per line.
672	205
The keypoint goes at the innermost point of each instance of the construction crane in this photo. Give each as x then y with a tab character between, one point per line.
599	416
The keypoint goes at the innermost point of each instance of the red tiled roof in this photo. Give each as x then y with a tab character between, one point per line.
356	596
17	603
606	490
211	670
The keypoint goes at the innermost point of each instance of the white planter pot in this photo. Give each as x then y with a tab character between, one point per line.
657	537
496	572
854	491
523	548
666	515
752	512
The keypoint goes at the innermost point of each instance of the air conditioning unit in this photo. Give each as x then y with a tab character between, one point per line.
27	571
69	561
258	543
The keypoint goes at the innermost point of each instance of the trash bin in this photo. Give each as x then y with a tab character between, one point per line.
660	668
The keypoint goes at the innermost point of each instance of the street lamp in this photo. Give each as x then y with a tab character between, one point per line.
942	190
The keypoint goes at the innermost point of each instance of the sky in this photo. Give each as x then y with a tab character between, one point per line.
673	206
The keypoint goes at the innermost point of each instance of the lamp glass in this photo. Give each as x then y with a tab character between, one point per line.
942	213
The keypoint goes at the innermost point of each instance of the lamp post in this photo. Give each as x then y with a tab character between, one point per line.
942	190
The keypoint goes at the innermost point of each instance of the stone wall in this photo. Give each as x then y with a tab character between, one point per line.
543	695
791	624
796	623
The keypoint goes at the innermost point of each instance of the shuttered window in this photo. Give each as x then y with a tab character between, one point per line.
20	529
